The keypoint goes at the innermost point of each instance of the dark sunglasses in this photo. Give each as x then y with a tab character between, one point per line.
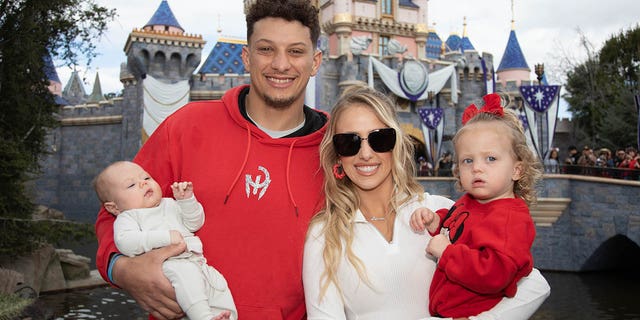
380	140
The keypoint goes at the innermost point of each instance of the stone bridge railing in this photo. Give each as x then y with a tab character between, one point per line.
583	223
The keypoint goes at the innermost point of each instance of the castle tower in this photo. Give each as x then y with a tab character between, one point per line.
161	59
74	90
96	95
162	49
513	66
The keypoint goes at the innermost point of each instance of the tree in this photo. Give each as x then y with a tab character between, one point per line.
30	31
600	92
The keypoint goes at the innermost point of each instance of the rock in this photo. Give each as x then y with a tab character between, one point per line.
10	280
74	267
41	269
42	213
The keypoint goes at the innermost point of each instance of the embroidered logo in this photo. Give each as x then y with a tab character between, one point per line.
256	184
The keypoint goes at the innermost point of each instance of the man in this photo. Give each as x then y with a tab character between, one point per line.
253	157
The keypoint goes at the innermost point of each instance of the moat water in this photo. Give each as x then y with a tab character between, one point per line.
598	295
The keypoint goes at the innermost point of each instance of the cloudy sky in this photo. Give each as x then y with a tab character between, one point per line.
547	29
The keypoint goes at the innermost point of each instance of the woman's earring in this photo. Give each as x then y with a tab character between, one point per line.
338	171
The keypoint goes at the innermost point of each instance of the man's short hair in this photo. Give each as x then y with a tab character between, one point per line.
291	10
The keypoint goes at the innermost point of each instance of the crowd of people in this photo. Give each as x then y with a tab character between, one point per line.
624	164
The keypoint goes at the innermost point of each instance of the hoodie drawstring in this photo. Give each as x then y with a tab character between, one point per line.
288	183
244	162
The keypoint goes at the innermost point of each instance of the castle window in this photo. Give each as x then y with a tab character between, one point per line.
383	46
386	7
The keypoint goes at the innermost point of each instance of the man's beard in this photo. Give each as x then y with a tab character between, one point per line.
279	103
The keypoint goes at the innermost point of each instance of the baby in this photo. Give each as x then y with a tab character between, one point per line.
145	221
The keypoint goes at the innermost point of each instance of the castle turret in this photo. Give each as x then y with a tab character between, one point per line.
74	90
161	59
513	66
162	48
96	95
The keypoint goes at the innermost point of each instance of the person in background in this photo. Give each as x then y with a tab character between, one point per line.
361	258
254	157
146	221
552	164
424	167
621	154
631	164
444	165
483	242
571	161
620	157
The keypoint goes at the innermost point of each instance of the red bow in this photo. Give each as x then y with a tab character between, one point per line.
491	105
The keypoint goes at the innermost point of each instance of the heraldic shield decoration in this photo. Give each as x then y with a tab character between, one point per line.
414	82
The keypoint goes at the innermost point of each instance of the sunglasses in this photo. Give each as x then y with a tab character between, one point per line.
380	140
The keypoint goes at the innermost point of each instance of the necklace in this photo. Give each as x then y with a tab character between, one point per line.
374	218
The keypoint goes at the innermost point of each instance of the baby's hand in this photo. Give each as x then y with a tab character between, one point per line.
176	236
422	217
182	190
437	244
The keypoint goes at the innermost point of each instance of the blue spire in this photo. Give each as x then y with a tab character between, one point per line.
513	57
465	44
164	17
454	42
50	69
434	45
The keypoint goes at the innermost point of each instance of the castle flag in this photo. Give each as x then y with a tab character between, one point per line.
433	130
542	105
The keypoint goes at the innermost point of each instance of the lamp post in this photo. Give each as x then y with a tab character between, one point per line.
539	69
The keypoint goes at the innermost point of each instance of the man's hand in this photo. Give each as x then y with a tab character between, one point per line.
182	190
143	279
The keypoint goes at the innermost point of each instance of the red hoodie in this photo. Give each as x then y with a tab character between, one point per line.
258	194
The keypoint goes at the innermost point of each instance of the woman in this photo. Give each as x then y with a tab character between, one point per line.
361	259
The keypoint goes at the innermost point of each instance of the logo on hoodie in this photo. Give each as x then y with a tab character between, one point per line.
256	184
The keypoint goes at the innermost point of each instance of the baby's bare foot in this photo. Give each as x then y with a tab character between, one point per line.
223	315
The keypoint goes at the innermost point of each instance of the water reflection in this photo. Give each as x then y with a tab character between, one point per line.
599	296
96	303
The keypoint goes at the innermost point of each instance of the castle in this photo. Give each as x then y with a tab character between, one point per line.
161	74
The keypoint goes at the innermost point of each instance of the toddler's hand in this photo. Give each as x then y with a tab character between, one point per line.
437	244
176	236
182	190
422	217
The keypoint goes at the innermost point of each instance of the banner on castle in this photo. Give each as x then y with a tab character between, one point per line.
433	129
541	110
489	84
413	90
161	100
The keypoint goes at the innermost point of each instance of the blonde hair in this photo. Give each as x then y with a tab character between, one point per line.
342	200
525	187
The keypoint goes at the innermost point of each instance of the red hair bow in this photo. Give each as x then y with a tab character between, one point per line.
491	105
